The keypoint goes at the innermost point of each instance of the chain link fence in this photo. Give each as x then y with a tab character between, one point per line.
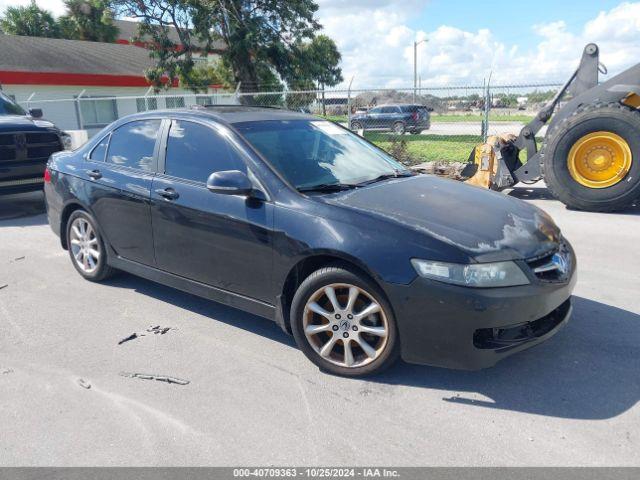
441	123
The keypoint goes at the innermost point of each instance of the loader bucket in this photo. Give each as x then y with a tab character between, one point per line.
491	163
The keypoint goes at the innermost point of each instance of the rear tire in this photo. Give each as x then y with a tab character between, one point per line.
575	186
355	126
328	327
86	247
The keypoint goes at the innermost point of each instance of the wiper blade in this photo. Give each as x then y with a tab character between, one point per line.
386	176
327	187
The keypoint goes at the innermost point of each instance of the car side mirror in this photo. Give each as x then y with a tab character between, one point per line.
230	182
35	112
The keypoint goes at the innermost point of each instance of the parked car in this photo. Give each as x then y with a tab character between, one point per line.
301	221
26	142
395	118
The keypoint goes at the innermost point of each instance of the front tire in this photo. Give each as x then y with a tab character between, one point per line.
86	247
355	126
343	323
399	128
591	160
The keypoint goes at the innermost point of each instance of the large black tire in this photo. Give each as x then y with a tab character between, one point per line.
102	270
388	352
613	117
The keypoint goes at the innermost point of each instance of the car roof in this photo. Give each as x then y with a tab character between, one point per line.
231	114
401	105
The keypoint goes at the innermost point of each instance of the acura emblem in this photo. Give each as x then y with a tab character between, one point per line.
560	261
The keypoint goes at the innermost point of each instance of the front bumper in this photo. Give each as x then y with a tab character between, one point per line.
23	185
469	328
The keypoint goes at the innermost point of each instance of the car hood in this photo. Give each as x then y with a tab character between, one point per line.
487	226
22	123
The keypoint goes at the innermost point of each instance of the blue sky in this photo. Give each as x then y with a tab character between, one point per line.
514	42
509	20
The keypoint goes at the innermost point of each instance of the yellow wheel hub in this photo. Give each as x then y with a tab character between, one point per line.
600	160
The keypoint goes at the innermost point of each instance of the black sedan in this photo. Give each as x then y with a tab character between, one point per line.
299	220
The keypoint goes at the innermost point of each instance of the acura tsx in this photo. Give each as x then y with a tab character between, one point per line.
297	219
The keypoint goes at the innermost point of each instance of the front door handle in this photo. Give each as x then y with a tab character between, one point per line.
95	174
168	193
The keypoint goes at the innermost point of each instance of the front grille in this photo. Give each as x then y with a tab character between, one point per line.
41	151
41	137
553	266
18	146
24	181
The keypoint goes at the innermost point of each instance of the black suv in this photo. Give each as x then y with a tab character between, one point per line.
26	142
396	118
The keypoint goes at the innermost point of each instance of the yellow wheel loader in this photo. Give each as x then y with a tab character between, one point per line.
590	155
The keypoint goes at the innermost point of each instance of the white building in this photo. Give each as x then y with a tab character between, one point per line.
75	82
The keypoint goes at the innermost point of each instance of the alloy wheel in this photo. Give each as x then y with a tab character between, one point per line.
345	325
84	245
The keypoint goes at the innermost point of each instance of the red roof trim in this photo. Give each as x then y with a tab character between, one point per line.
76	79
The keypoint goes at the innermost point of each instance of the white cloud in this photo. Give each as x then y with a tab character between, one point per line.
377	46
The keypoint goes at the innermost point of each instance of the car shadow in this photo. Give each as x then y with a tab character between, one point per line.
213	310
531	193
541	193
589	370
22	210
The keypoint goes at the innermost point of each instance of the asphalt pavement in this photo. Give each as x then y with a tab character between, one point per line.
72	394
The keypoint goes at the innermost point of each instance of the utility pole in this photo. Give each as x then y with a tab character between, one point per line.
415	66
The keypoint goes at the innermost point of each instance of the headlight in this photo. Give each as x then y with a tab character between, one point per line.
479	275
67	143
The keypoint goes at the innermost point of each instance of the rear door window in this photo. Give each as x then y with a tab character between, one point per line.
132	145
414	108
195	151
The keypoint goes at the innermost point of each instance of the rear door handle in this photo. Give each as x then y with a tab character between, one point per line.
168	193
95	174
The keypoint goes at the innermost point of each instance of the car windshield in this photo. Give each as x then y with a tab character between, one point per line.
9	107
310	153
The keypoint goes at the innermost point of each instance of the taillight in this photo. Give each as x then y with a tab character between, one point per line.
414	115
47	175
